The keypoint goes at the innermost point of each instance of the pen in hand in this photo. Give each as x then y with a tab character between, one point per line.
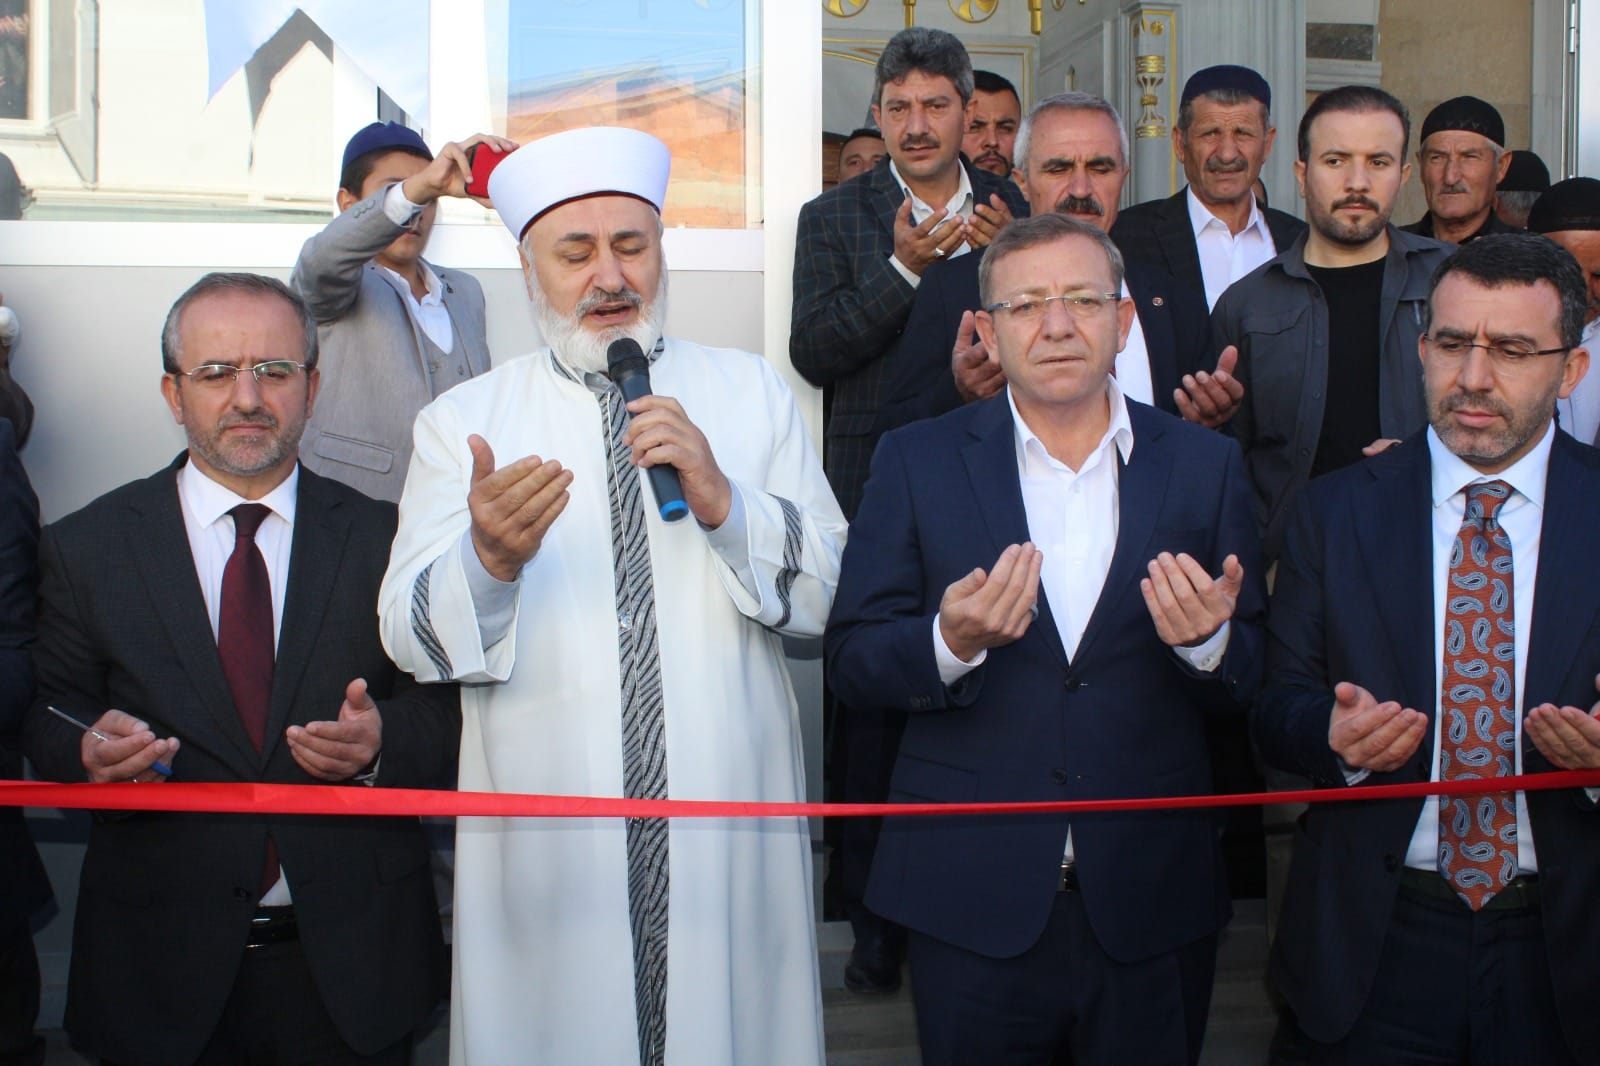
158	766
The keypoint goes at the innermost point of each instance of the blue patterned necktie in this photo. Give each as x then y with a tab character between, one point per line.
1478	833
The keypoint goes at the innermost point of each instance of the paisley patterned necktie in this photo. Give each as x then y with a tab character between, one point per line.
1478	833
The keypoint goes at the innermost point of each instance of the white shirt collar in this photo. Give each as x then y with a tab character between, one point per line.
1119	430
1527	476
208	500
1200	217
434	295
960	203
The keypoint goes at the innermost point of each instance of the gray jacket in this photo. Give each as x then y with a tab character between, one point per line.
378	367
1279	319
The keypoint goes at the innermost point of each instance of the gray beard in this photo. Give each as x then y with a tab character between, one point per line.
585	350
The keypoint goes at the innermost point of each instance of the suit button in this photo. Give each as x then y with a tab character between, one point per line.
241	893
1059	776
1391	863
1422	771
1072	684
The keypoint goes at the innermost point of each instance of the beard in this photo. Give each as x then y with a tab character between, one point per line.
1490	447
1353	234
585	349
245	458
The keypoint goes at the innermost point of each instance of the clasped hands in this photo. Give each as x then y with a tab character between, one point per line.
919	245
334	750
988	609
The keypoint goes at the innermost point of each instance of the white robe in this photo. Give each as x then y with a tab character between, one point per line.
543	951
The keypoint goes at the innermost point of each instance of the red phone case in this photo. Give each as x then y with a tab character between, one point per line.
484	159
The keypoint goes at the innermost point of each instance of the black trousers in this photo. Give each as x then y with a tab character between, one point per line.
1063	1001
1454	988
275	1017
19	998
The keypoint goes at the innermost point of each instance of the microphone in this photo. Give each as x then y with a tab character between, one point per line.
630	370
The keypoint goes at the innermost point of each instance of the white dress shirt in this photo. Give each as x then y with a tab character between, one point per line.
1580	412
1133	362
1522	518
1225	256
1073	521
205	505
961	204
430	312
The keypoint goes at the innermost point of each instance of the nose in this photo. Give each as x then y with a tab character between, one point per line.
608	272
989	136
1058	321
1227	149
916	120
1356	177
246	391
1477	371
1452	170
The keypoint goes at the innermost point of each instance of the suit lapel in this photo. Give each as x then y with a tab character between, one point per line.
159	548
886	197
1141	485
1160	342
991	458
1566	591
1177	236
1394	534
321	531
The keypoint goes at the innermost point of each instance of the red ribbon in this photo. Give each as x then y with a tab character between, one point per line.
245	798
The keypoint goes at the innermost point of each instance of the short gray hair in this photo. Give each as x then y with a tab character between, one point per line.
933	52
1065	102
1034	230
254	284
1225	98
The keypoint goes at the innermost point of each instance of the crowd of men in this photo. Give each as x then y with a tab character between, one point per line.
1140	503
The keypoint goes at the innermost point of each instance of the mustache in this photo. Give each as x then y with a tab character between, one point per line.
1455	186
1466	401
918	140
600	297
1356	201
259	417
1213	166
1080	205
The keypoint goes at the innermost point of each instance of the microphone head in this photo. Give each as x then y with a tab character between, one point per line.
624	356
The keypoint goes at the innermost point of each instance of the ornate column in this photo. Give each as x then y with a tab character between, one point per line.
1153	99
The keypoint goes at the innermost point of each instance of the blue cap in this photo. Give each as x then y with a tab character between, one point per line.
381	135
1228	76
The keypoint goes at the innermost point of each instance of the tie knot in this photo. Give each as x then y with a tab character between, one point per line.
247	518
1484	501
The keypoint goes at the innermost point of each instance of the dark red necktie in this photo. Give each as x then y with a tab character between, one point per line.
245	637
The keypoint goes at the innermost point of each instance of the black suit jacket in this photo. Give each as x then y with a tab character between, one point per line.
922	385
850	305
1159	233
1123	717
165	900
23	886
1354	602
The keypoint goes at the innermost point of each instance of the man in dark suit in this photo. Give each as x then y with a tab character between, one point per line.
860	254
1072	159
24	888
1058	584
225	608
1433	619
1212	232
864	246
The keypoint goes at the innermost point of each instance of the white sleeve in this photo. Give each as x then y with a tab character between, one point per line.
426	610
794	531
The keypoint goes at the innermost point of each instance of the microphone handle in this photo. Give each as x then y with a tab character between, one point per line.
664	480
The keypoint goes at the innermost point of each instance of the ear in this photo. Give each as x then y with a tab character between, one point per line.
345	199
1300	176
169	392
1405	175
877	119
1503	166
313	383
984	321
1272	135
1576	367
1178	151
1125	312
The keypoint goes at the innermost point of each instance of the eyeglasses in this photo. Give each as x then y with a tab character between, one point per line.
1080	305
271	374
1506	352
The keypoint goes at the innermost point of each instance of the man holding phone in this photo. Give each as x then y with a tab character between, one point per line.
396	331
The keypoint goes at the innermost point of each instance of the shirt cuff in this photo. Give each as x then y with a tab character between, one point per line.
951	668
397	208
369	777
731	542
493	601
905	272
1207	657
1353	775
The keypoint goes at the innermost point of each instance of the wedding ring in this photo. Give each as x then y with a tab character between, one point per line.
938	253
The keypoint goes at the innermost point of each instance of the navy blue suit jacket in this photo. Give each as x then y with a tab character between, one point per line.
1124	717
1354	602
921	384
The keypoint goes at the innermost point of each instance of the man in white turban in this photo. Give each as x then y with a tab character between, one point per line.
606	651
